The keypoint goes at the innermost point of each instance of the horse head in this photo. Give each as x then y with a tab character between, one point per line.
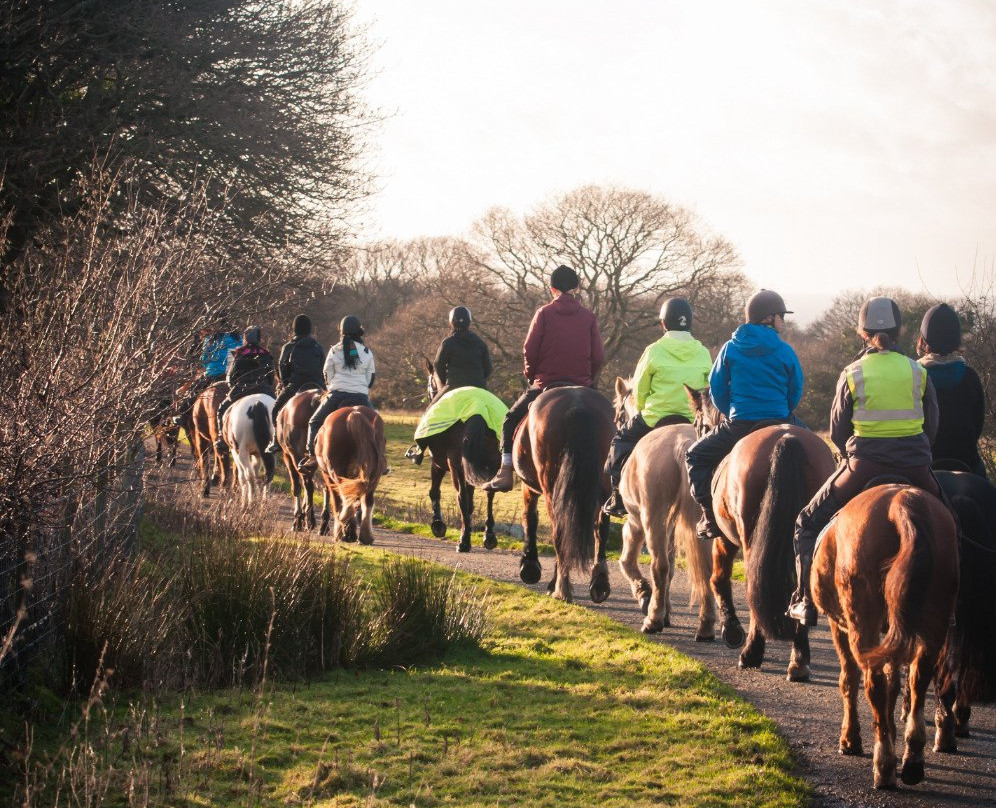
432	385
707	417
624	402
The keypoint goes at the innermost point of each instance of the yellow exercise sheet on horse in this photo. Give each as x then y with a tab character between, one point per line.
459	405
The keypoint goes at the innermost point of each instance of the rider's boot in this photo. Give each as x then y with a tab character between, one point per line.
614	504
707	529
504	480
416	454
801	607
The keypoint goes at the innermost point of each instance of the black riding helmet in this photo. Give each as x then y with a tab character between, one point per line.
460	317
252	335
676	314
764	304
350	326
302	325
940	329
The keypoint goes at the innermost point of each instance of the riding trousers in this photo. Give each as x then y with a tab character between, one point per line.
626	438
288	393
334	401
849	480
519	410
234	395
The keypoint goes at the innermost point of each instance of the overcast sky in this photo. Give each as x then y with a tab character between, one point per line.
837	145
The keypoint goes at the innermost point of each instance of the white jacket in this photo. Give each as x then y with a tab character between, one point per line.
349	380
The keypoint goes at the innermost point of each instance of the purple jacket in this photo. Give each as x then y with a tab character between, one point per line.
563	344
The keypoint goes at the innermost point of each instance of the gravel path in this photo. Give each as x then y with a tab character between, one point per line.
808	715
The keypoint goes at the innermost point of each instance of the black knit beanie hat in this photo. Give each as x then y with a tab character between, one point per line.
564	279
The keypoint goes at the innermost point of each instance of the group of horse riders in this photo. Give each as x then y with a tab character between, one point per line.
891	415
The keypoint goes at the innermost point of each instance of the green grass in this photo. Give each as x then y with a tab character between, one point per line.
557	706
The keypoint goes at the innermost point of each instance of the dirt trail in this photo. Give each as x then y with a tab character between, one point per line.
808	715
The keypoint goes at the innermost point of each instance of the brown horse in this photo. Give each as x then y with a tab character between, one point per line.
888	563
967	673
292	435
660	511
350	450
758	491
559	453
205	435
470	452
164	431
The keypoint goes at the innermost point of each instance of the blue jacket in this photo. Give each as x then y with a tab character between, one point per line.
756	376
214	356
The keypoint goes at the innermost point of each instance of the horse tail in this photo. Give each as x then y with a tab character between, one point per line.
367	456
770	559
578	491
262	433
478	466
684	515
908	578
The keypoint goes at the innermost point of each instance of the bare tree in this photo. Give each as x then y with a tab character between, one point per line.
631	248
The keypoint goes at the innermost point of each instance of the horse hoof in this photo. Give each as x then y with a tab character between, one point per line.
599	590
912	772
946	746
885	784
733	634
366	541
464	547
645	604
529	570
748	661
652	626
490	541
438	528
850	749
705	638
798	674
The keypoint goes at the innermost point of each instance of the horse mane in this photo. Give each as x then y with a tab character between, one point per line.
770	562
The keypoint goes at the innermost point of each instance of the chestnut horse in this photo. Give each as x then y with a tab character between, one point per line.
470	452
967	673
888	563
559	453
205	435
350	450
758	491
292	435
661	511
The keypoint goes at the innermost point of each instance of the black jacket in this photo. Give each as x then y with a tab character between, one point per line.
962	407
463	360
251	371
301	362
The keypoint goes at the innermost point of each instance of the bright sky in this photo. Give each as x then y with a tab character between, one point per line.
837	145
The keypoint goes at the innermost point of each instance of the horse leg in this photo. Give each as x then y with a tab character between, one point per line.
850	677
326	511
921	673
599	588
798	669
490	539
753	654
661	569
884	756
309	501
723	555
560	585
633	537
159	448
530	568
295	481
466	499
366	518
438	525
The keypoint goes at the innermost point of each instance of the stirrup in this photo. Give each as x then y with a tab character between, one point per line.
803	611
415	453
614	505
307	463
707	529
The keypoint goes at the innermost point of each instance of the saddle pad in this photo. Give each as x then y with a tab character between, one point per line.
459	405
823	533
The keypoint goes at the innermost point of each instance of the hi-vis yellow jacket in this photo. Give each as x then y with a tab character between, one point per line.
888	390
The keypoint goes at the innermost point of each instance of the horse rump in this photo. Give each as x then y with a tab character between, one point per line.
480	461
262	433
771	559
368	457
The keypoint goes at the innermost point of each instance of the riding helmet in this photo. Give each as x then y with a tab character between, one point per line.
252	335
564	279
676	314
941	329
460	317
764	304
302	325
350	326
879	314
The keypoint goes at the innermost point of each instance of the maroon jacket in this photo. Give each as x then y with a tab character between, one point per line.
563	344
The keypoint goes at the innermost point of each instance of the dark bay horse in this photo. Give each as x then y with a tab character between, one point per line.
204	423
292	435
470	452
559	453
164	431
967	673
758	491
660	511
888	565
350	449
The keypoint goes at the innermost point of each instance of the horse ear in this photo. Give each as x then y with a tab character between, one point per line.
694	396
621	386
428	365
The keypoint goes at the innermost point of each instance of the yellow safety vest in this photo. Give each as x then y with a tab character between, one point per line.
888	390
